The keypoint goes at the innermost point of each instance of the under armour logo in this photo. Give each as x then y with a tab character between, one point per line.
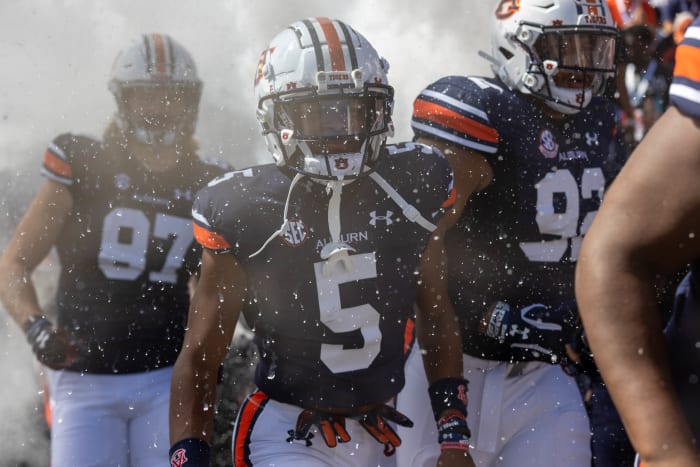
515	329
178	458
295	436
592	139
386	218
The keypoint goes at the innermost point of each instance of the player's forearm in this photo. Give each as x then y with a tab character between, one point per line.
17	291
441	345
192	399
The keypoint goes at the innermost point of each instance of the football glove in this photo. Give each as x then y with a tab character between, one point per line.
55	348
535	332
331	427
376	424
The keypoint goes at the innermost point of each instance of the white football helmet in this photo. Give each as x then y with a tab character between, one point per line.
156	65
324	102
562	51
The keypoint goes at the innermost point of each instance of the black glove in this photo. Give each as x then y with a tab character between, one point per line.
331	427
535	332
53	347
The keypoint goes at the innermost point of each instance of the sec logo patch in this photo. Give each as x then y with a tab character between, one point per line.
296	233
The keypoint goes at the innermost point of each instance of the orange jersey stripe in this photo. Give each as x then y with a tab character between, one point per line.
57	165
687	62
249	412
334	48
160	53
209	239
438	114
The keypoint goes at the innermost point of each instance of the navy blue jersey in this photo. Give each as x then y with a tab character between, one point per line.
126	253
682	332
519	238
328	337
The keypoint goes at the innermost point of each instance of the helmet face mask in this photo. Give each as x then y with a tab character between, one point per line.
155	84
157	115
560	51
324	106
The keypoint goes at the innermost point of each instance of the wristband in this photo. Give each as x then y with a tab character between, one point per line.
448	393
190	452
453	432
37	330
31	321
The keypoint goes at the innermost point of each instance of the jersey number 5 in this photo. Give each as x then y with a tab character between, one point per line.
341	320
126	236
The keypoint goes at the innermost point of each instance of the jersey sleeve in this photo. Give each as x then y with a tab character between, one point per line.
685	87
449	110
58	161
207	215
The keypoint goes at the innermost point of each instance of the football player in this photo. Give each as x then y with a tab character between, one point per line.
533	149
648	224
325	252
117	210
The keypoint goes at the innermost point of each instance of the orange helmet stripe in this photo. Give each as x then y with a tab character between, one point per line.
335	49
159	49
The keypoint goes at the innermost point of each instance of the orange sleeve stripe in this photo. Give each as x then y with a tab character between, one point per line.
335	49
408	335
57	165
438	114
209	239
687	62
450	199
249	411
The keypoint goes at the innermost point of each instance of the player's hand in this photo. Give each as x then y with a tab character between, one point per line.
376	422
455	458
330	426
534	332
55	348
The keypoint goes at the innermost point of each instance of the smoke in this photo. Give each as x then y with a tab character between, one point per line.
56	56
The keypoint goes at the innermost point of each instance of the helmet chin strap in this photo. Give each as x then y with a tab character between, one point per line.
279	232
336	251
